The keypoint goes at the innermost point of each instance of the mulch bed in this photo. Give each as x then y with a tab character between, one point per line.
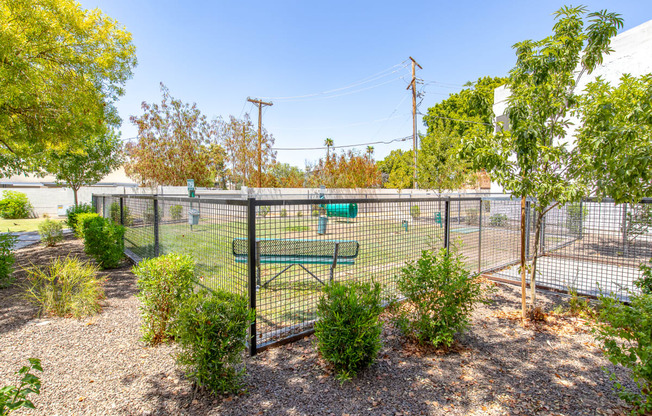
99	366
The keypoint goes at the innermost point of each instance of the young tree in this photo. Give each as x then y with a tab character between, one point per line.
240	139
88	164
287	176
176	142
534	159
61	70
397	169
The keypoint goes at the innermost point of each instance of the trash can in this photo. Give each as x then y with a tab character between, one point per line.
348	211
404	224
193	216
321	227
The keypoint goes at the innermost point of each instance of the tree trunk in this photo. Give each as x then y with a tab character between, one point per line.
523	283
535	256
74	191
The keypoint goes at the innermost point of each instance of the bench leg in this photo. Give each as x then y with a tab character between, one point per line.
277	275
334	264
312	274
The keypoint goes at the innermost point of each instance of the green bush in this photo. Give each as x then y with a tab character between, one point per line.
315	213
645	282
498	220
348	329
15	397
211	330
80	222
415	212
51	232
74	211
440	295
299	213
114	214
65	287
104	241
175	212
148	215
625	332
164	283
284	213
264	210
15	205
7	242
575	216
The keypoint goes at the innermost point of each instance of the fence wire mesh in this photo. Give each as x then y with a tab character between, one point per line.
303	244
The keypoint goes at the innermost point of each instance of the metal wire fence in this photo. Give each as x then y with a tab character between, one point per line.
280	253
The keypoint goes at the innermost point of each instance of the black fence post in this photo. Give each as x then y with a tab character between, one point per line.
251	258
156	219
447	224
122	211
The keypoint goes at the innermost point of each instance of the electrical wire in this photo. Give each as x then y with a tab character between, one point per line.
366	80
400	139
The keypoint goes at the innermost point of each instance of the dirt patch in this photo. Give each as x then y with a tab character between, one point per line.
99	366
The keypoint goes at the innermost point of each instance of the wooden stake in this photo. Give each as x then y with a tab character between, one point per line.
523	290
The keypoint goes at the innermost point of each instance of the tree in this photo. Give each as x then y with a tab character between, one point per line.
176	142
328	143
397	169
88	164
61	70
287	176
470	107
240	140
348	170
534	159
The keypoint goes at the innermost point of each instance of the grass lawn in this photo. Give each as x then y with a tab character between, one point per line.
30	224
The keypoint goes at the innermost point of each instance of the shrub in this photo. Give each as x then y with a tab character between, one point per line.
299	213
625	332
15	397
315	213
7	242
645	282
415	212
472	216
51	232
440	294
65	287
263	211
14	205
575	215
284	213
348	329
498	220
81	221
164	282
74	211
211	330
114	213
103	240
175	212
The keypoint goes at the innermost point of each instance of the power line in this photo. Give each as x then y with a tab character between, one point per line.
400	139
366	80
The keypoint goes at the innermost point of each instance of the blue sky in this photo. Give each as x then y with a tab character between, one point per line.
218	53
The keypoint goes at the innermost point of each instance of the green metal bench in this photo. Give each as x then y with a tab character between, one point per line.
297	253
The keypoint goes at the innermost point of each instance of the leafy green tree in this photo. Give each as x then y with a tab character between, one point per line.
176	142
62	68
346	170
95	158
534	158
397	169
287	176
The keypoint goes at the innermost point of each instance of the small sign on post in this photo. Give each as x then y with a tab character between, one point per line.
191	188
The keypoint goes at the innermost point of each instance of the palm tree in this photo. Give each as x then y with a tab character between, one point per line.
370	151
329	143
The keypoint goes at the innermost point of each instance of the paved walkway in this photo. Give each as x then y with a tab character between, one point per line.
27	238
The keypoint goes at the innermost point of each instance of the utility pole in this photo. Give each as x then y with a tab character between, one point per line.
260	105
413	85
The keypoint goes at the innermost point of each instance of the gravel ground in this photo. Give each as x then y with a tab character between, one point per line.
99	366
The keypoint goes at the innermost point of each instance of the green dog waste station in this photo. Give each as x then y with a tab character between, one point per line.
348	211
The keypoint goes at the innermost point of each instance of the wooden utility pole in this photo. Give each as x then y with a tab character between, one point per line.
413	85
260	105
